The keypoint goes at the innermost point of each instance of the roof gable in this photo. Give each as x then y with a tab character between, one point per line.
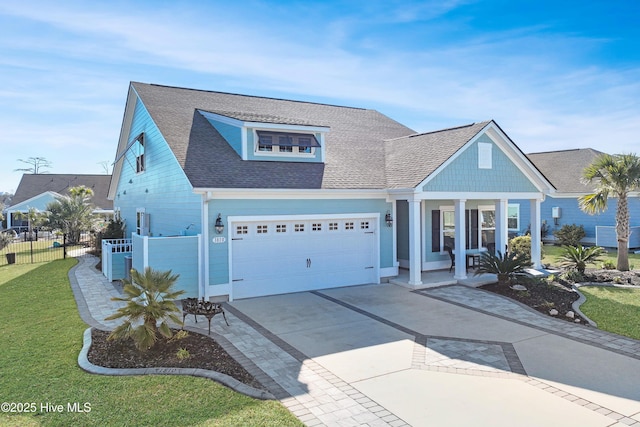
463	173
413	158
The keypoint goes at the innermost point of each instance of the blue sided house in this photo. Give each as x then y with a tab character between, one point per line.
246	196
564	169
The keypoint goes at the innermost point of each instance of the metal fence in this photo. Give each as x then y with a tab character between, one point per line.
42	247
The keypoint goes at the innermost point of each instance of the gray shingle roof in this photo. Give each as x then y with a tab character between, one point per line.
265	118
412	158
34	185
354	145
564	168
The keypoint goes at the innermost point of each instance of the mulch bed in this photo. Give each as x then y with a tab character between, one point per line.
541	297
205	353
545	296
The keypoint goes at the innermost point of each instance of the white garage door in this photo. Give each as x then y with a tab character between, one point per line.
292	255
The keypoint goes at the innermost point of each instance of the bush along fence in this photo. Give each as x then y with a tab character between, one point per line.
39	247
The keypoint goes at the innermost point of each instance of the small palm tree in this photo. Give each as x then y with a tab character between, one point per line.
506	266
577	257
150	300
617	175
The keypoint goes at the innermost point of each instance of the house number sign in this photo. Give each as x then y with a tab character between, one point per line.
219	239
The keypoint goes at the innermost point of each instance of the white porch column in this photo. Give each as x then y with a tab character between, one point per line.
502	228
536	237
415	252
461	242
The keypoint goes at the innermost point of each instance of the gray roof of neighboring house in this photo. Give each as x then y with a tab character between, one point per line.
412	158
33	185
564	168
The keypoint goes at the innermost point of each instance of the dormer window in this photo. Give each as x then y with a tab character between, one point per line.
286	143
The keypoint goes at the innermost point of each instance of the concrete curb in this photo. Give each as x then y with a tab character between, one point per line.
223	379
577	303
576	287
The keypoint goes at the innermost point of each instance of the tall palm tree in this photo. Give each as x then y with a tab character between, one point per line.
615	175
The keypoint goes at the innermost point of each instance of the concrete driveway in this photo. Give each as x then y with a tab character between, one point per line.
451	356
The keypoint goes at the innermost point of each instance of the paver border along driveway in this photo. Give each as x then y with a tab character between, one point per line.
384	355
467	365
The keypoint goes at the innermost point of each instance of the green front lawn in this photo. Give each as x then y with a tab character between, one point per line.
615	310
39	251
550	255
40	338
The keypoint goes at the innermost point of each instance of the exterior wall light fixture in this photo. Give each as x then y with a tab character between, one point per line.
219	225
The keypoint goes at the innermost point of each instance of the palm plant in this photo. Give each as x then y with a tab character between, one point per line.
617	175
72	214
577	257
150	299
506	266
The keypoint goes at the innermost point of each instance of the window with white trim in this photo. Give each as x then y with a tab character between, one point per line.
139	152
447	228
287	143
513	217
487	223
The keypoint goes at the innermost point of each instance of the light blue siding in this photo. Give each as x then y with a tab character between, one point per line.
572	214
162	189
464	175
232	134
178	254
219	253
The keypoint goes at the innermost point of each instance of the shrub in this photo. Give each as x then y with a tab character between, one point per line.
150	300
506	267
183	354
573	276
608	265
521	245
570	235
577	257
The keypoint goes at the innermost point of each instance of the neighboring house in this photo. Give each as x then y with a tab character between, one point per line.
564	168
246	196
37	191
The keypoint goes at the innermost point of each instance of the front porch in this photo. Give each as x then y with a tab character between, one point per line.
436	278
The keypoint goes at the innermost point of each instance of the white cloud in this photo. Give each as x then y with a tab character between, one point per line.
534	82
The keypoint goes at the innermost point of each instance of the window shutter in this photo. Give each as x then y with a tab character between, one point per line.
474	229
435	230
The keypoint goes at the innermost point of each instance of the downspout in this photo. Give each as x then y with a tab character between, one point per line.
204	260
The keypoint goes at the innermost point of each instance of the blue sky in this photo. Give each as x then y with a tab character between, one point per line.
553	74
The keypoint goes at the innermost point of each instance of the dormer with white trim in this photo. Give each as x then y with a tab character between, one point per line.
269	138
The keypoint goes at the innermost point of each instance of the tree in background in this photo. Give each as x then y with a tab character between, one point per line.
616	175
37	165
72	214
